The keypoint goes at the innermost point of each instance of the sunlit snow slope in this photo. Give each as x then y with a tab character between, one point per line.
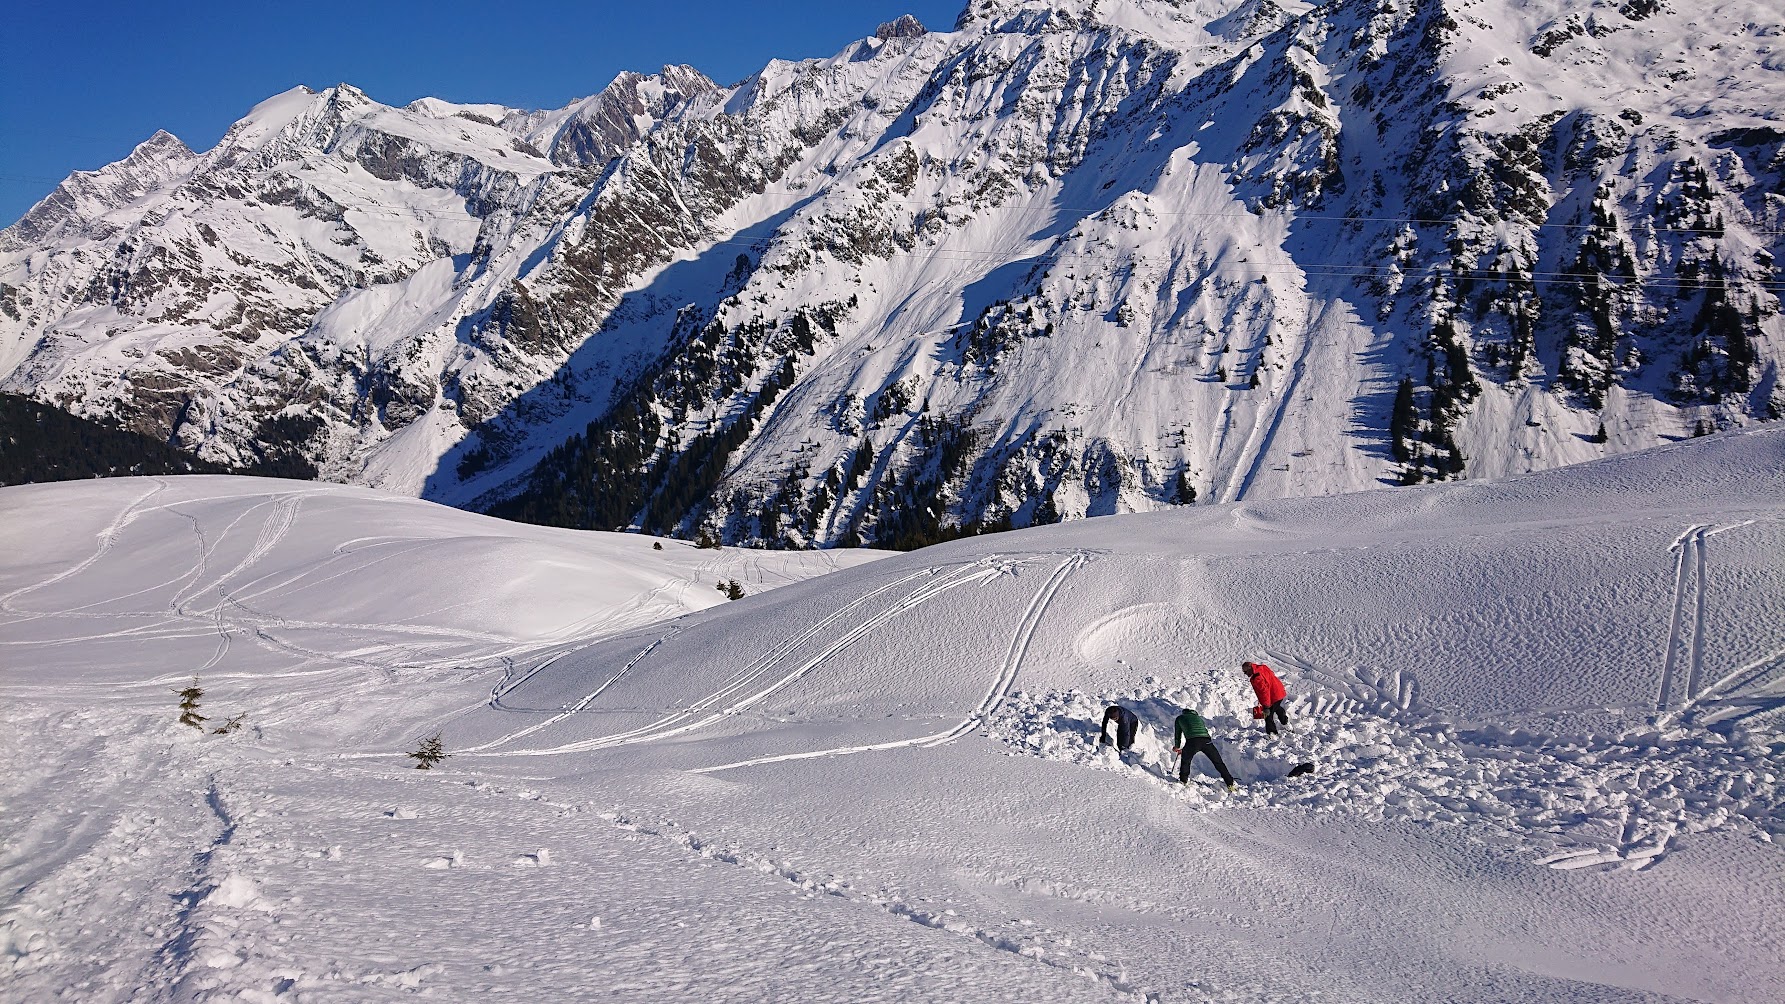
1546	716
276	585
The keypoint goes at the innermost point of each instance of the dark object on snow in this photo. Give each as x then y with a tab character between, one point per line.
428	752
1302	768
1271	695
1190	734
189	698
1127	723
233	723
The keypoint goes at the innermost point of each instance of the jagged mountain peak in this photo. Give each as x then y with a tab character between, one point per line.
162	144
1071	258
86	199
594	129
440	109
904	26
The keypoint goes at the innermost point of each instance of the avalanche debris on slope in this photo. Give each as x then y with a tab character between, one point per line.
1614	792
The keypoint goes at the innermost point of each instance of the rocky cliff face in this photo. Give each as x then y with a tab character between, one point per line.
1070	258
297	291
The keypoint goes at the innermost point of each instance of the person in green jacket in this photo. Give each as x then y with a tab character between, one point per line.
1190	737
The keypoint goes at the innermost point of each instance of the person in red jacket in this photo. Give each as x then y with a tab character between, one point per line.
1270	695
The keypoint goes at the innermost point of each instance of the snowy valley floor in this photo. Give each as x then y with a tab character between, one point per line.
1546	716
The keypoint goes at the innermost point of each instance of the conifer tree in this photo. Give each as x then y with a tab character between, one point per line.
1185	493
230	724
732	589
428	752
189	698
1403	421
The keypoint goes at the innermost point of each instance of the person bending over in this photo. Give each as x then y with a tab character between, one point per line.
1190	736
1127	722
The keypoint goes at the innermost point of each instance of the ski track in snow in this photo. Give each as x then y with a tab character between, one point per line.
699	713
1040	946
155	864
107	538
1000	689
1685	643
1265	433
495	700
226	930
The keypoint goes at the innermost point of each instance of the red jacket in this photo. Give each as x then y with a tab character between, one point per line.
1266	685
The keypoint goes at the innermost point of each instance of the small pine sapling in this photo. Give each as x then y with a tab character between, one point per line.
732	589
656	545
231	724
428	752
189	698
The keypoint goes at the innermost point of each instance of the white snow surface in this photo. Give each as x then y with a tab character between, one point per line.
1545	715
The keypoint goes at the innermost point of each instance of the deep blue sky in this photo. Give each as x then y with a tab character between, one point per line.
81	83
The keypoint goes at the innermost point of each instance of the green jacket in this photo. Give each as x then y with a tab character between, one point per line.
1189	725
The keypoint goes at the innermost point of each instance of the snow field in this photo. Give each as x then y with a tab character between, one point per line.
330	590
319	883
1540	708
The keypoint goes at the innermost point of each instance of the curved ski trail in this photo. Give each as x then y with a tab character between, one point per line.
495	699
1014	655
678	722
107	538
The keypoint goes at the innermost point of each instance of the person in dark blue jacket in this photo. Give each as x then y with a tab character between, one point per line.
1127	723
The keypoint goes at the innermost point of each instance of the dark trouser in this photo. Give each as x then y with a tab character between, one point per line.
1125	732
1273	715
1125	729
1205	746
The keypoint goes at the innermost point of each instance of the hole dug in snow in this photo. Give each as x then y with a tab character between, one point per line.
1618	799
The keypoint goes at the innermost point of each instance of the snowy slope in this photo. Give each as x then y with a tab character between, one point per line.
1067	258
332	588
1540	709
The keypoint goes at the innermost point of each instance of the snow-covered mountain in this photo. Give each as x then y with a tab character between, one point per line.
298	288
1545	715
1070	258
